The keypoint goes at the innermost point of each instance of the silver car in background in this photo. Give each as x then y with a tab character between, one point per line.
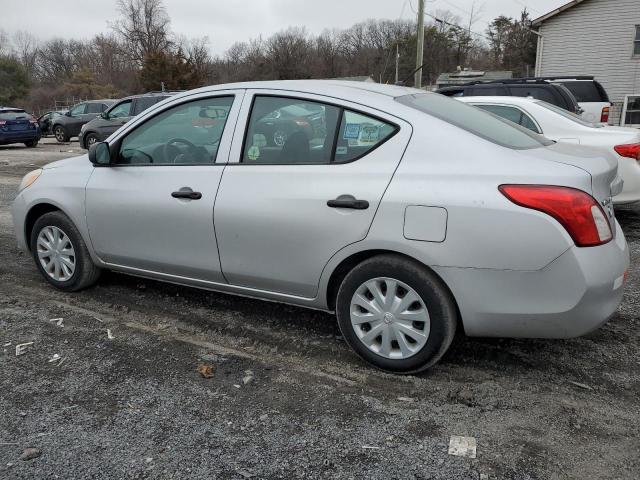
408	214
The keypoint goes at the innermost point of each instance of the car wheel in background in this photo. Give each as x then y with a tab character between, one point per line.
60	134
61	254
31	144
396	314
90	139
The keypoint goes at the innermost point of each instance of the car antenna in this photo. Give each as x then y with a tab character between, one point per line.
402	82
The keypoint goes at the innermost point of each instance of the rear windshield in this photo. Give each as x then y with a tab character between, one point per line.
568	115
586	91
13	114
475	120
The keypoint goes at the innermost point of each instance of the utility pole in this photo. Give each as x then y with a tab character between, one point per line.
420	50
397	61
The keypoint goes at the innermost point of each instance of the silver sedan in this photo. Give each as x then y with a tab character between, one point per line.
408	214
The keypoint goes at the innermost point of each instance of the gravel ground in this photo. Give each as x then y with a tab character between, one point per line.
287	398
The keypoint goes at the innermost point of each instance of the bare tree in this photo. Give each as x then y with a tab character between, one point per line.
144	28
26	49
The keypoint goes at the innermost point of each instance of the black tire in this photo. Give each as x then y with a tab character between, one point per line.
85	273
31	144
90	139
61	134
443	313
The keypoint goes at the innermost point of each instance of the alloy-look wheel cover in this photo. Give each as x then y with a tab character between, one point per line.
56	254
389	318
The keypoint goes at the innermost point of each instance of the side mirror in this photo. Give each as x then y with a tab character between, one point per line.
104	115
100	154
68	113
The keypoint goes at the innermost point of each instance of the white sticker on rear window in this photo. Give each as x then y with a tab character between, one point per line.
351	131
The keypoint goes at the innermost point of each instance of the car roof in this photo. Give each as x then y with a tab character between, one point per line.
151	94
338	88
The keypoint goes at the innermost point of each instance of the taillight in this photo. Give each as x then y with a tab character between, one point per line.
578	212
631	150
604	116
3	122
301	122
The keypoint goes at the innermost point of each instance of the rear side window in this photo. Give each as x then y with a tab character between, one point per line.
12	114
586	91
142	103
475	121
78	110
538	93
359	134
95	108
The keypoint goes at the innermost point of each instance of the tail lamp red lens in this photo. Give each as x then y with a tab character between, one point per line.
578	212
630	150
604	116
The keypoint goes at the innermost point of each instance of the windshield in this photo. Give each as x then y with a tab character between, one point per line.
474	120
568	115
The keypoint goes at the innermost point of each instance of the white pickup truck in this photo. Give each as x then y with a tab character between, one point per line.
589	93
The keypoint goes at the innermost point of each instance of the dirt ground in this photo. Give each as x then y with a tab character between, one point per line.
287	398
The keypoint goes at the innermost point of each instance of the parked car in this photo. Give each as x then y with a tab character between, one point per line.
415	215
18	126
281	123
69	125
561	126
117	115
45	121
590	94
554	93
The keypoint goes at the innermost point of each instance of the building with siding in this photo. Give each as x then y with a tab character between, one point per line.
593	37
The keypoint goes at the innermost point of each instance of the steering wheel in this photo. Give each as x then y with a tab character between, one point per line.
173	142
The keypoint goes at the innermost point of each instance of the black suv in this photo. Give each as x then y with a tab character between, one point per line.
68	125
540	89
98	129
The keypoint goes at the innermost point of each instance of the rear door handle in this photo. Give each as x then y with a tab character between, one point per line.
348	201
187	193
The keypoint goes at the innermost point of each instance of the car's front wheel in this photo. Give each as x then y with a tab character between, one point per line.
90	139
31	144
60	134
396	314
61	254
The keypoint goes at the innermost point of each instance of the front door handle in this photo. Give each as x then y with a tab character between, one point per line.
187	193
348	201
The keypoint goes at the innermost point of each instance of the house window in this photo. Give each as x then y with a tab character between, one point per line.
636	43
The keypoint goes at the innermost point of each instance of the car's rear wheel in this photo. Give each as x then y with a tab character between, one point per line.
396	314
31	144
60	133
61	254
90	139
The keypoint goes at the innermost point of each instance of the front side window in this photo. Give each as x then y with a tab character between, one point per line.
187	134
474	120
78	110
512	114
121	110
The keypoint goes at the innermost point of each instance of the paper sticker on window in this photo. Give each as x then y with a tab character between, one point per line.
259	140
253	153
351	130
370	134
341	150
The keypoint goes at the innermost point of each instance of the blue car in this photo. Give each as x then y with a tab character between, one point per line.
18	126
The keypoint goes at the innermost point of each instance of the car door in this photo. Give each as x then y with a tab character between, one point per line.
283	211
152	210
75	119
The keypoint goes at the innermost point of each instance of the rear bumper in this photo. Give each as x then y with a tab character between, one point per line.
19	137
573	295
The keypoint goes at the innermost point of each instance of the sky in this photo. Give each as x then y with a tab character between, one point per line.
225	22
